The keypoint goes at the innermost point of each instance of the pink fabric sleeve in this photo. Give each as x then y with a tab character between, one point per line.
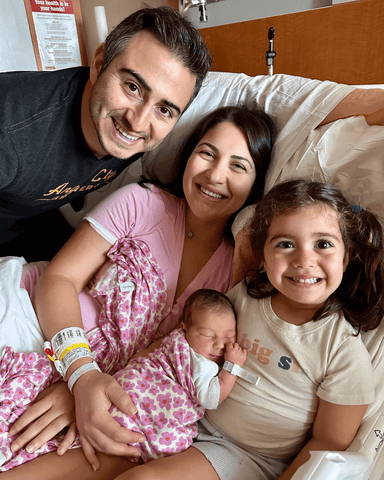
118	215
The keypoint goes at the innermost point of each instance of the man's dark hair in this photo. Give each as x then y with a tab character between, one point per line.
172	30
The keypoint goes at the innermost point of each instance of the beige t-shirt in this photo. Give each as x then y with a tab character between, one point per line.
297	364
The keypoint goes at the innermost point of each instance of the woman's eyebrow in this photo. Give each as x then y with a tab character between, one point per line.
146	87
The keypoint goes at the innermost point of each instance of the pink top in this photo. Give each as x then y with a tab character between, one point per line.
158	219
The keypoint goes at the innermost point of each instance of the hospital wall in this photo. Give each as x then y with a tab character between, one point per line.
343	42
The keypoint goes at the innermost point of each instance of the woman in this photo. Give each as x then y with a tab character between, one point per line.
222	168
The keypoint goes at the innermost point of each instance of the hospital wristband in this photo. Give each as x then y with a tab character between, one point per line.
238	371
80	371
72	347
72	356
67	346
66	339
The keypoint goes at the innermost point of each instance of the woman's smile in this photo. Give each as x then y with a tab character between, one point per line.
220	173
211	193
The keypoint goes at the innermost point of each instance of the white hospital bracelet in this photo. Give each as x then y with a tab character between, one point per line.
238	371
80	371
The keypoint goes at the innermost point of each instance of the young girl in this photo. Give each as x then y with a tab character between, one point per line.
320	283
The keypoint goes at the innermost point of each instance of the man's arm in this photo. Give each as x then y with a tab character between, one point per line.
361	101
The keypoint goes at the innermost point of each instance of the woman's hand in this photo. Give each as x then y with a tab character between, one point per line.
94	394
52	411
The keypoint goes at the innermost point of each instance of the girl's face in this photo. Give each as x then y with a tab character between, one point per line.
305	258
219	174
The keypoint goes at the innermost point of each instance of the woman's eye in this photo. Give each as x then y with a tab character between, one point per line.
207	153
240	166
323	244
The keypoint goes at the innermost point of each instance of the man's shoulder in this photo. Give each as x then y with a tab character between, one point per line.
26	94
28	79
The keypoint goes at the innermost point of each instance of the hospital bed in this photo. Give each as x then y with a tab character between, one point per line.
348	152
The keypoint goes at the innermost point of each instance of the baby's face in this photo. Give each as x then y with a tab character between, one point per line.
210	332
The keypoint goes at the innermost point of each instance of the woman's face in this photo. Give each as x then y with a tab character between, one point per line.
220	173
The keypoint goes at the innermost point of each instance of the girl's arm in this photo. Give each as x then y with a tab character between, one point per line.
334	429
57	307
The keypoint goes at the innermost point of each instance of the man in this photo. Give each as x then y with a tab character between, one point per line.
64	134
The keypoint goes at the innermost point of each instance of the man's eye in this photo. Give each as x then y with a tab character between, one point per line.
165	112
133	88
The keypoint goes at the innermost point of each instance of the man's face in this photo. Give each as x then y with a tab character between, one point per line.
138	99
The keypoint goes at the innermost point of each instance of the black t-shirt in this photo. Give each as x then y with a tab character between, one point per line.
44	159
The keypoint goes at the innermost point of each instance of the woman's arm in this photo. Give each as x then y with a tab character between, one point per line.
334	429
56	296
57	307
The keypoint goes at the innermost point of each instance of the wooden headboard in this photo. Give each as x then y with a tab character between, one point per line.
343	43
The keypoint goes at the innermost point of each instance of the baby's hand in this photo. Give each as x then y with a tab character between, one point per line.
235	354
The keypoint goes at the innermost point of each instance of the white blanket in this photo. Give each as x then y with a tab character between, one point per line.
19	327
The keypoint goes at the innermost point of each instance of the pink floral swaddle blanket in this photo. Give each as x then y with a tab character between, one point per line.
133	295
162	388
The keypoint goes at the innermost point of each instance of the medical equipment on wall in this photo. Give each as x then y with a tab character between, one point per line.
101	23
202	4
270	54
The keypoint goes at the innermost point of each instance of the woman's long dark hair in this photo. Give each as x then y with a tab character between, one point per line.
259	129
360	294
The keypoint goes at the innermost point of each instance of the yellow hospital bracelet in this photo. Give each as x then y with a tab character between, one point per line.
72	347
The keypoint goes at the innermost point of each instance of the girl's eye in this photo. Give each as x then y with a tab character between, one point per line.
323	244
285	244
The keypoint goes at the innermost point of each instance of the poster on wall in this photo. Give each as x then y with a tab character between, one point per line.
56	33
